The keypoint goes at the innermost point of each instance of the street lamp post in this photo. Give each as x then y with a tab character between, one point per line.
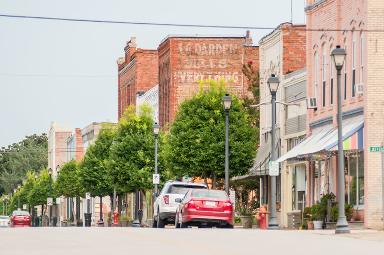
338	56
18	197
273	83
50	195
227	100
156	129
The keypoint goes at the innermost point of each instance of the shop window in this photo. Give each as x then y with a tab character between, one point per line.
355	179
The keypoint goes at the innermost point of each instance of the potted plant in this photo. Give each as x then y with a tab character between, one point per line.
124	220
246	215
307	219
317	212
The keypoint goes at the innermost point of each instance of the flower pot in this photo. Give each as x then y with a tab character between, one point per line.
310	225
317	224
246	221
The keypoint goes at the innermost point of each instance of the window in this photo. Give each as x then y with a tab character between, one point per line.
316	60
353	67
324	90
345	77
331	81
361	58
355	179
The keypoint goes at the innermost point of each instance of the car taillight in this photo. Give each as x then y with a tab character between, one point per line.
166	199
228	206
191	204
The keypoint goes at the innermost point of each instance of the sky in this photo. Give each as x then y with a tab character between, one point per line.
66	71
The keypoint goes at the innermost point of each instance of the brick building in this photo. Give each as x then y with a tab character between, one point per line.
57	146
74	144
186	60
348	23
282	52
138	72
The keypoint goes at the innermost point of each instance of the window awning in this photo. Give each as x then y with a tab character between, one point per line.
326	140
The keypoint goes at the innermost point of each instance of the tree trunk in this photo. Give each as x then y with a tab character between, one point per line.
77	208
120	204
101	208
213	180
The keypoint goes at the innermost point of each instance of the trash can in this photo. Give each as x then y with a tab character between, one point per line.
54	221
87	219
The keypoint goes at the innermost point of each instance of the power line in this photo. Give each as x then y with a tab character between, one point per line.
178	24
59	75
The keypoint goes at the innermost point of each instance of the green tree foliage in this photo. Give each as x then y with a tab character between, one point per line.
132	154
195	145
253	77
15	160
94	168
41	190
68	181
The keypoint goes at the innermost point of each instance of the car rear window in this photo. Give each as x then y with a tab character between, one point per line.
4	217
209	193
21	213
182	189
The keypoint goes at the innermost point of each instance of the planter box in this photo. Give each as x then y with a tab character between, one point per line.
246	221
317	224
330	225
310	225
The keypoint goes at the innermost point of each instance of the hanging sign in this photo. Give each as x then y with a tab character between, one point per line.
273	168
156	179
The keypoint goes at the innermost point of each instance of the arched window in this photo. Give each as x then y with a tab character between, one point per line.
353	84
324	76
315	74
331	89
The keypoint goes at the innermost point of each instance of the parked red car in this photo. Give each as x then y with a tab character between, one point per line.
20	218
205	208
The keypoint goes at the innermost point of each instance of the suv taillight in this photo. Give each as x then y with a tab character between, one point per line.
228	206
166	199
191	204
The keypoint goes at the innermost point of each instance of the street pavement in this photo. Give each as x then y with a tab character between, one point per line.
74	241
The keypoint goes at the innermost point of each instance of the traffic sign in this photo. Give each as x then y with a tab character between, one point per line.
273	168
376	149
87	195
49	201
24	206
156	179
232	198
58	199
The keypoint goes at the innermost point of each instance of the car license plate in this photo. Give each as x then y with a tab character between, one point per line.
210	203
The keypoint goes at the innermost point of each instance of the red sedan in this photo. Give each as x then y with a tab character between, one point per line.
205	208
20	218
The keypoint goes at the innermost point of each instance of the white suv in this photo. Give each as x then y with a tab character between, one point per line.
164	208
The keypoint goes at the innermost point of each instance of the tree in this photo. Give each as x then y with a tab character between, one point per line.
41	190
196	139
253	77
18	158
69	184
94	173
132	154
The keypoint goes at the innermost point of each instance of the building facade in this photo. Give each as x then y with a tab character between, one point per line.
282	52
74	144
348	23
184	61
151	99
138	72
57	146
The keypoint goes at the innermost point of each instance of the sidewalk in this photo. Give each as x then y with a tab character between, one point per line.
361	234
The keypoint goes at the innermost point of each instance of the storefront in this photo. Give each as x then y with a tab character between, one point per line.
319	153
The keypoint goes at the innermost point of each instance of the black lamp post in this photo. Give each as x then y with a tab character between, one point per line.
156	129
18	197
50	196
273	83
338	56
227	101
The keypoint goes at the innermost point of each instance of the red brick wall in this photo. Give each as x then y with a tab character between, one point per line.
138	72
61	148
79	145
294	50
184	61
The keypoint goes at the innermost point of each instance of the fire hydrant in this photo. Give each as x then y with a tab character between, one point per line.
262	217
115	218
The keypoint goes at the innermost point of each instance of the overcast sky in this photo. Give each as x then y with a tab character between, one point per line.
66	72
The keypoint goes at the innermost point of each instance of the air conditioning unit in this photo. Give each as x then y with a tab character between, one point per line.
359	89
311	103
